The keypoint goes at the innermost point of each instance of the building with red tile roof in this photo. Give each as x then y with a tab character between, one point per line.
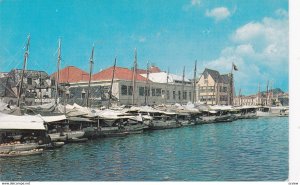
120	74
152	69
71	74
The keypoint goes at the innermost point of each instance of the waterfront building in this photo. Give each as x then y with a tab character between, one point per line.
214	88
158	88
37	86
273	98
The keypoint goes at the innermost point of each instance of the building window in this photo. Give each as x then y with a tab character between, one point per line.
124	89
158	92
141	91
174	95
153	91
190	96
179	95
29	81
184	95
53	83
130	90
168	94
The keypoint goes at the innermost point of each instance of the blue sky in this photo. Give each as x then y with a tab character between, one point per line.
252	34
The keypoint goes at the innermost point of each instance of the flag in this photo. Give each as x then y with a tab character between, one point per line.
234	67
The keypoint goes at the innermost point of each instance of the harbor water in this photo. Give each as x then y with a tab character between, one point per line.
243	150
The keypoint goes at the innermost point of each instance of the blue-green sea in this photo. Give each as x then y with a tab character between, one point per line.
243	150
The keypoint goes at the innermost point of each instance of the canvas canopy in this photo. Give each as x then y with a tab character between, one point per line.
26	122
50	119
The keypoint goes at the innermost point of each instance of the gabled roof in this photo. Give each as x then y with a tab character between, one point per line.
120	74
213	73
71	74
216	76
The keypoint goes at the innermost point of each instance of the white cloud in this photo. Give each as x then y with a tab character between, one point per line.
138	38
248	32
192	4
142	39
281	13
260	51
269	38
218	14
195	2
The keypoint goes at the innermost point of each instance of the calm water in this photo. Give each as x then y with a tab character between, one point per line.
241	150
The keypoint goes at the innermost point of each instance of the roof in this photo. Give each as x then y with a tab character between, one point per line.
152	69
120	74
213	73
161	77
71	74
216	76
224	79
11	122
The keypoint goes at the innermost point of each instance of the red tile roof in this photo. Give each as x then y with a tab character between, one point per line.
71	74
120	74
152	69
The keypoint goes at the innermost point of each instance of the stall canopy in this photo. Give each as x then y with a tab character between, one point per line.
26	122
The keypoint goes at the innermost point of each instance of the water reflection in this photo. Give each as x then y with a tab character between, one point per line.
241	150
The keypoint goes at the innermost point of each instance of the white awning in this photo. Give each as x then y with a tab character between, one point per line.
49	119
11	122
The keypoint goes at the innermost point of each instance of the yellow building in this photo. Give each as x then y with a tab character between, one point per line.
215	89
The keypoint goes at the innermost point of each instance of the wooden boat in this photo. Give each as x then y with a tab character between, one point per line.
164	121
185	119
267	111
248	112
18	147
77	140
21	153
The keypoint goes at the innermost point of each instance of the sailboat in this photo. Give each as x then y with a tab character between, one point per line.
62	131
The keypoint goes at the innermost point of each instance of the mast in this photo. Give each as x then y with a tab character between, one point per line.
147	89
206	90
23	70
134	76
267	94
182	88
240	98
194	86
111	84
40	81
258	95
58	65
271	92
167	84
90	78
